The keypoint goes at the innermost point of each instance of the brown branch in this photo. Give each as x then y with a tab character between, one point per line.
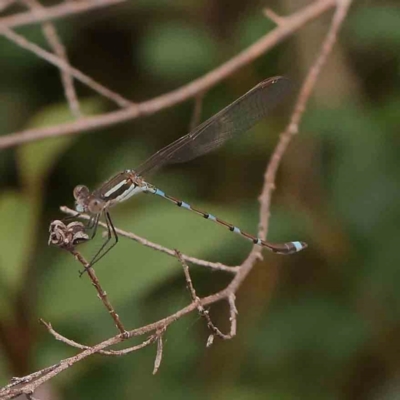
64	9
8	392
149	107
60	63
50	33
15	381
100	291
155	246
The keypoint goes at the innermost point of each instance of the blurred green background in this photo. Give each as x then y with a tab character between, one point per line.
323	324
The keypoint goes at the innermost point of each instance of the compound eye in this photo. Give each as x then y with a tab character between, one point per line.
81	192
96	206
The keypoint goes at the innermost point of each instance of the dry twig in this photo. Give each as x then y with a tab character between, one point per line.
273	16
52	13
123	352
157	361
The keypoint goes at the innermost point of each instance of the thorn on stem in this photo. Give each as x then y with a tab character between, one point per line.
274	17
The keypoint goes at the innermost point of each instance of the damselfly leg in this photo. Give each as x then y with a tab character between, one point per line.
110	234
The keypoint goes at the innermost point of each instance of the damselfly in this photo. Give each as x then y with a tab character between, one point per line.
232	121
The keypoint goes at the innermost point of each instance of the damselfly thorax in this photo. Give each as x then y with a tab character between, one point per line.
116	190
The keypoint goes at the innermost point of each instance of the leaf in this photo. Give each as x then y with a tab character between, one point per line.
177	51
385	21
316	325
16	230
37	158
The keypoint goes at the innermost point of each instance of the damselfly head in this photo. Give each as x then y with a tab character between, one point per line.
81	193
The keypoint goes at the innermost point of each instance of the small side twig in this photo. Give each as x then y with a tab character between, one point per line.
157	361
205	313
278	20
123	352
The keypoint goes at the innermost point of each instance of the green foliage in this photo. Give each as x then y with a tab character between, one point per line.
252	27
376	25
176	51
14	254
